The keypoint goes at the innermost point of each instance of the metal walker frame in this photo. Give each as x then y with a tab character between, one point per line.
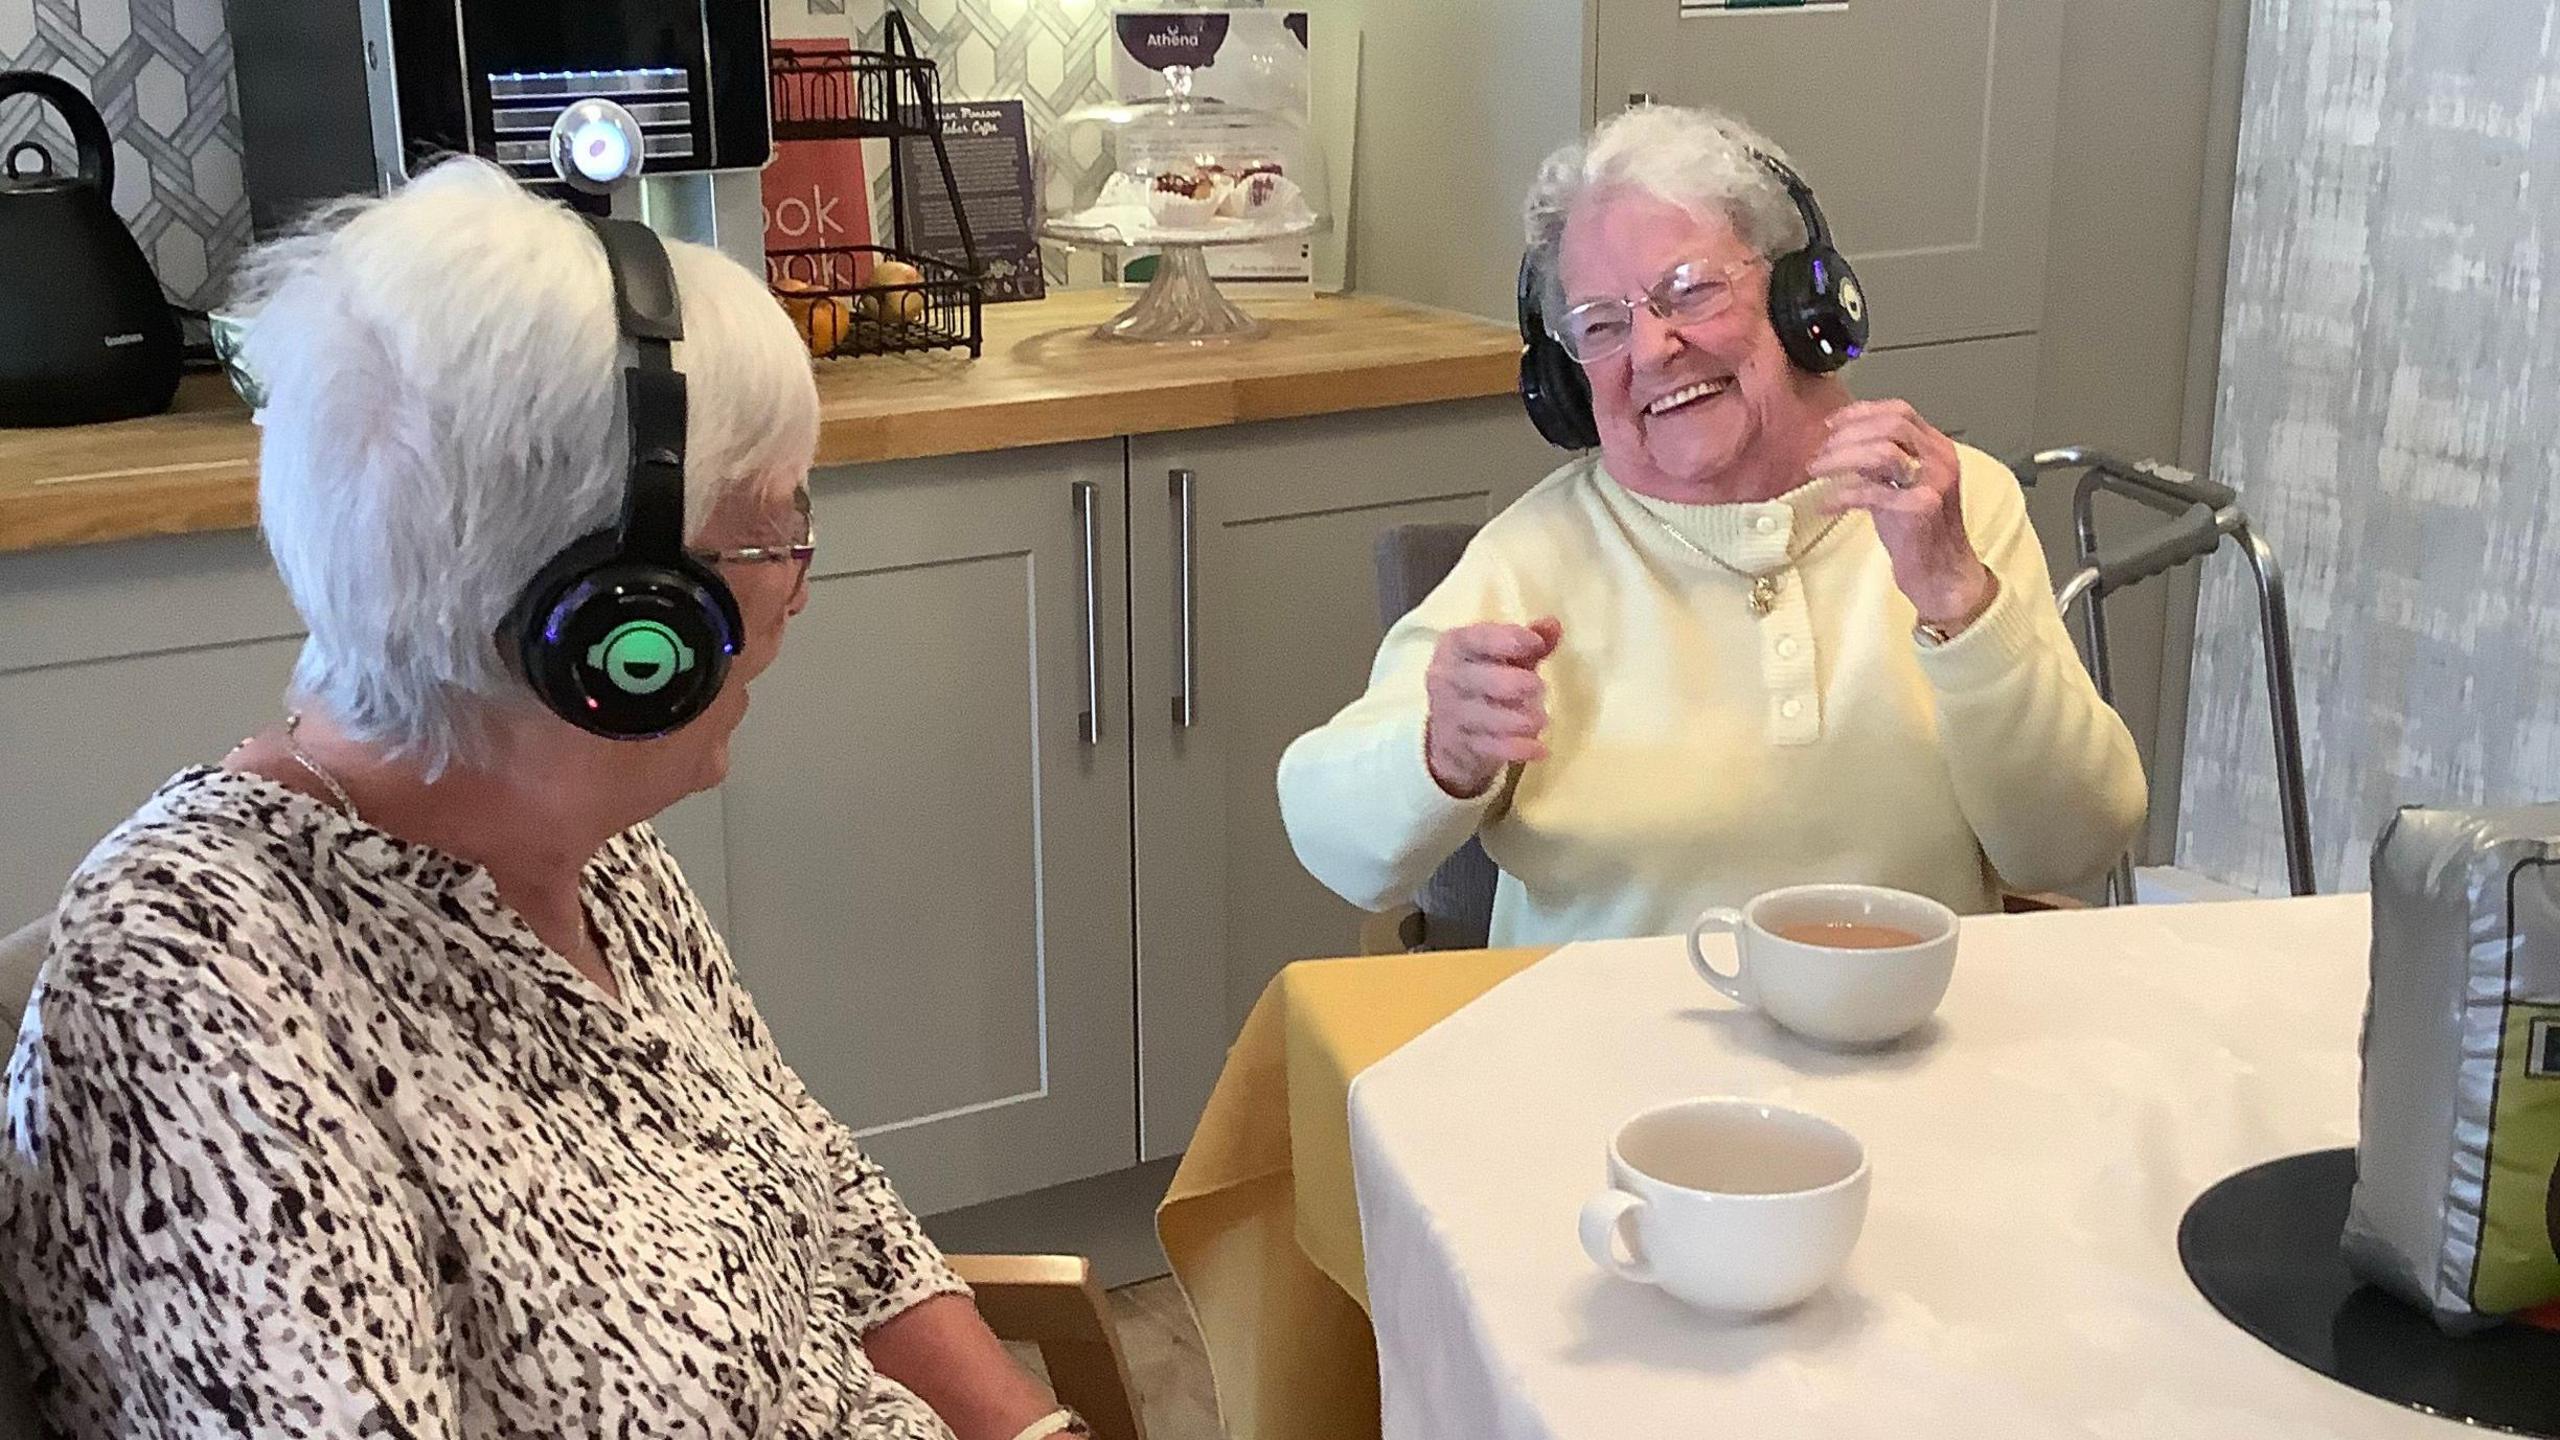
2201	514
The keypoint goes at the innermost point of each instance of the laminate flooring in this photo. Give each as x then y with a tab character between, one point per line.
1166	1361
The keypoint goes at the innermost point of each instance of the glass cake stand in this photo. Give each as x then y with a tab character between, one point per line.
1186	176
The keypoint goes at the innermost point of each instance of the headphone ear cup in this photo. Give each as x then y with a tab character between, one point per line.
1553	388
522	635
1573	389
1818	309
1557	395
624	649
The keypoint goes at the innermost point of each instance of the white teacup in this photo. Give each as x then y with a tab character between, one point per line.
1729	1205
1847	965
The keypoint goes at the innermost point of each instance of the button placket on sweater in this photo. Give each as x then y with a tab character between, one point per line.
1794	715
1734	541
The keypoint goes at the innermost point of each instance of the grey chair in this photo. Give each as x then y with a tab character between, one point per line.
1454	908
21	951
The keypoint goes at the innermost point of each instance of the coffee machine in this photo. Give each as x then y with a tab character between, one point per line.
347	96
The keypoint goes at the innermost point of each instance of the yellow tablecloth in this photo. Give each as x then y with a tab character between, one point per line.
1262	1224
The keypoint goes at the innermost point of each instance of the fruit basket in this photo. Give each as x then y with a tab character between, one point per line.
875	300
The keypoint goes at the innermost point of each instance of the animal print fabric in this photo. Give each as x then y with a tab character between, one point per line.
308	1135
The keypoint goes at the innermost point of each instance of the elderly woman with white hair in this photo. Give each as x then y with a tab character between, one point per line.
1769	634
386	1078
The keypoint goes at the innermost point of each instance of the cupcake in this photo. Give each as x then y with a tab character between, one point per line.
1270	198
1182	202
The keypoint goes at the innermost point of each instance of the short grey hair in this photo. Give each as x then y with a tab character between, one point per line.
1700	160
444	412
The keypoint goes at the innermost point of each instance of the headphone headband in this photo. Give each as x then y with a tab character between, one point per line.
623	633
1817	231
647	312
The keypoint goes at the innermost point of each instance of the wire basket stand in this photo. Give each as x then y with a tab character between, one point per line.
891	94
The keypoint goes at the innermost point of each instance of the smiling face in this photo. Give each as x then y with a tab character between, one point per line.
1706	411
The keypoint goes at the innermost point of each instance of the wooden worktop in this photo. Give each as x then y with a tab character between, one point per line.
1043	379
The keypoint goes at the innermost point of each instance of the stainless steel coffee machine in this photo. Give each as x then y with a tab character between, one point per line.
347	96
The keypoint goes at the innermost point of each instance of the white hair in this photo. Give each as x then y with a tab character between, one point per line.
445	412
1703	161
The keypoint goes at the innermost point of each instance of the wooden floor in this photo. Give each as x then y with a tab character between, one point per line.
1166	1362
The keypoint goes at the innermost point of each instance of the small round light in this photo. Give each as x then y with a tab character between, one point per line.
599	151
596	146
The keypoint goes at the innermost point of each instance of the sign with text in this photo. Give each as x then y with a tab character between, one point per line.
991	160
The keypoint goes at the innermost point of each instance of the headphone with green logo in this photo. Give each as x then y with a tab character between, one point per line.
641	656
623	633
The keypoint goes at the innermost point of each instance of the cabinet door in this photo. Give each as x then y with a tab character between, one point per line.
1284	518
1927	130
1982	392
120	665
928	857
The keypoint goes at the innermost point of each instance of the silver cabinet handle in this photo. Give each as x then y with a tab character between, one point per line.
1186	572
1089	522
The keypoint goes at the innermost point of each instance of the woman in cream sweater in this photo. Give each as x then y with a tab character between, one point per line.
1768	635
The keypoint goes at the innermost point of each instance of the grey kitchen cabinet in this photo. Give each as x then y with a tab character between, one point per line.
125	663
1928	135
119	666
928	840
1927	130
1253	617
1982	392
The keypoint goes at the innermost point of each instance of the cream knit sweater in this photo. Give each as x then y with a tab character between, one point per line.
1699	754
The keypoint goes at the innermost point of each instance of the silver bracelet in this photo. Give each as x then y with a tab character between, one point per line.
1061	1421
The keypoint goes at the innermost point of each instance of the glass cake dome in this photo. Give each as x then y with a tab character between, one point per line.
1181	175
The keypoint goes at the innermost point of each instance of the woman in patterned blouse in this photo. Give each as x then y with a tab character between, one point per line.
387	1078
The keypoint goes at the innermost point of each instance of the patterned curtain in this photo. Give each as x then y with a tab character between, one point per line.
2390	412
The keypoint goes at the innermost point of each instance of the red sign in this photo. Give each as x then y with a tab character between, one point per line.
814	191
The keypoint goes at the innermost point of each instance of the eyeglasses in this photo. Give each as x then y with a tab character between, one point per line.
1689	294
799	553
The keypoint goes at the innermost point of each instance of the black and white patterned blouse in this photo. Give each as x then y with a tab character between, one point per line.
310	1136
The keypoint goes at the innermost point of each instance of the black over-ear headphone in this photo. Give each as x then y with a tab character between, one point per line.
1815	305
623	633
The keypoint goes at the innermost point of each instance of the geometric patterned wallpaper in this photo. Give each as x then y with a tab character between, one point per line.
1047	53
160	71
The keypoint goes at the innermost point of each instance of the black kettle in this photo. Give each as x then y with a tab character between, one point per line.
85	334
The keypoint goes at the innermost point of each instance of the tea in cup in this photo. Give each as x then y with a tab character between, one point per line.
1847	965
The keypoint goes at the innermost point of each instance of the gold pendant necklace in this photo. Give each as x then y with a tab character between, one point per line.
1764	583
293	748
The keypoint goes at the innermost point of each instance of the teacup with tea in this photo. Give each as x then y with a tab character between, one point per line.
1847	965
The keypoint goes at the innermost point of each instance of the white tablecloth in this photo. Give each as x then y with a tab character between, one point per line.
2090	1074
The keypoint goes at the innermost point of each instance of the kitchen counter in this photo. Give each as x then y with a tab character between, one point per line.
1042	380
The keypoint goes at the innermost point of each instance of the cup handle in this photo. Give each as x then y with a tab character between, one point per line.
1603	1223
1723	920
